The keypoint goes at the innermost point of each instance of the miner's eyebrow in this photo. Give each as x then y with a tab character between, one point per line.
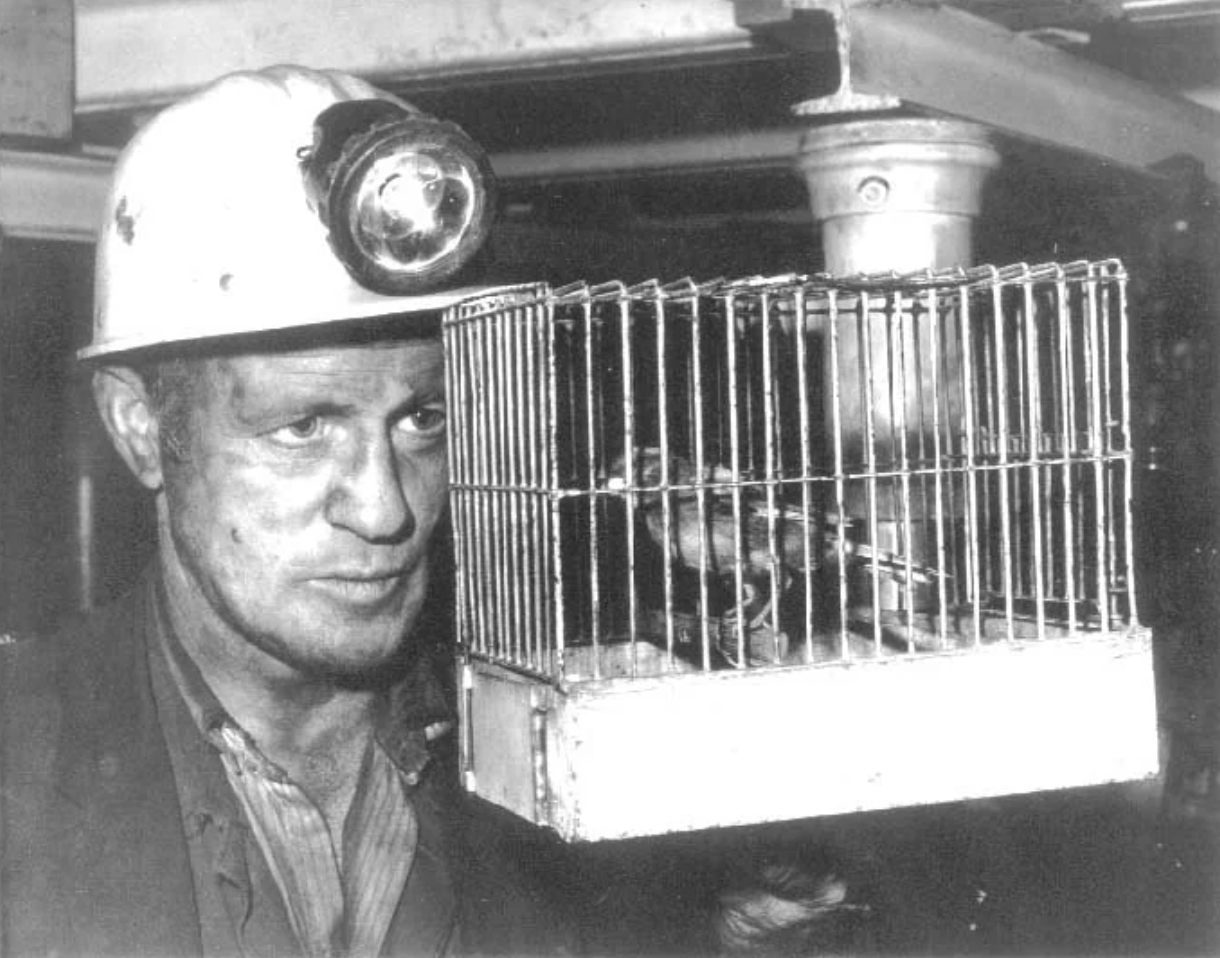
289	409
284	403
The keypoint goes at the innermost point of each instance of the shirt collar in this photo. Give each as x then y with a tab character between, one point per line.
406	710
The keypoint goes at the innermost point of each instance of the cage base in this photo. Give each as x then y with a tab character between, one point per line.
630	757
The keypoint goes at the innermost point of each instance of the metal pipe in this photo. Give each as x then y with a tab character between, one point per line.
896	195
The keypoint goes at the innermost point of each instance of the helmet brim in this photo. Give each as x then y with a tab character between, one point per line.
362	306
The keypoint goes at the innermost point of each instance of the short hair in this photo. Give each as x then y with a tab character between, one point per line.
172	388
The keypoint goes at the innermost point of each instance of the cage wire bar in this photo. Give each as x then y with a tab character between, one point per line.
709	492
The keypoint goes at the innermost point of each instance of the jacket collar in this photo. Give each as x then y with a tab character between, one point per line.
408	707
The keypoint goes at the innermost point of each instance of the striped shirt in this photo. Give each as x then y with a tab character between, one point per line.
340	892
334	910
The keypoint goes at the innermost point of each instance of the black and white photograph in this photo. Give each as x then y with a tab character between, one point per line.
609	478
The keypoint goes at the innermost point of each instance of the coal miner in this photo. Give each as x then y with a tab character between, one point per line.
235	757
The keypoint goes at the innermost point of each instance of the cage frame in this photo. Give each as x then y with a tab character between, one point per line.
569	750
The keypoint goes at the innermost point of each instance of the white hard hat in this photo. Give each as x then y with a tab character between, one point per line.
215	221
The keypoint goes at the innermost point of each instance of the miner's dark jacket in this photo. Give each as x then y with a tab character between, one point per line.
93	857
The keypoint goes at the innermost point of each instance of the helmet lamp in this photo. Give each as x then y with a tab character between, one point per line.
407	200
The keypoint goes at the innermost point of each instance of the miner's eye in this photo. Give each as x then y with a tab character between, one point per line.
299	431
426	421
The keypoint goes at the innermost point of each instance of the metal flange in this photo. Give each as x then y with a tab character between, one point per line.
938	58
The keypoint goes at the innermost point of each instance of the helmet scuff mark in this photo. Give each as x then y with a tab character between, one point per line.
125	222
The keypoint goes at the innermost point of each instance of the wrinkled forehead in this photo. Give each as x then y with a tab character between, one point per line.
376	374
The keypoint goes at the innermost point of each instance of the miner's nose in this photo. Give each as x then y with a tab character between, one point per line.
368	497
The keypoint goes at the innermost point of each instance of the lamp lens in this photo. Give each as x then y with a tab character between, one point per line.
407	200
412	209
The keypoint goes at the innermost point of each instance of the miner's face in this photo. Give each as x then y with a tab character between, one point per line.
299	515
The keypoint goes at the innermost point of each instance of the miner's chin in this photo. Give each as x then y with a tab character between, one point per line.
370	656
357	647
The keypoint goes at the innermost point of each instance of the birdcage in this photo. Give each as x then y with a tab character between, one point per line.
742	551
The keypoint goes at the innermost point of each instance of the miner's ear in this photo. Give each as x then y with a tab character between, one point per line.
123	403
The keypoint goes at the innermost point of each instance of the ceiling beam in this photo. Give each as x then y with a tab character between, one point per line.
744	150
52	196
132	53
940	58
36	69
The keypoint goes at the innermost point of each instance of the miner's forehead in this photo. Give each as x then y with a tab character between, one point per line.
233	371
378	371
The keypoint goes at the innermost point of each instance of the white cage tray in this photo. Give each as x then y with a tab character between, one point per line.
622	757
